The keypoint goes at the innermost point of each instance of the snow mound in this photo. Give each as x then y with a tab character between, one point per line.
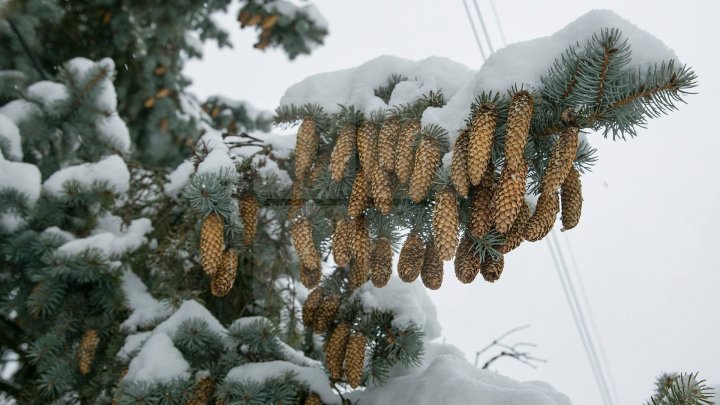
408	301
23	177
114	131
145	308
10	138
158	361
110	239
111	169
217	159
314	377
189	310
46	92
177	179
447	378
18	111
106	99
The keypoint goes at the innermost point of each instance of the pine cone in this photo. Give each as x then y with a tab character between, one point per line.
561	160
367	144
86	350
355	358
404	151
543	219
302	236
382	194
467	262
427	159
459	164
296	200
224	279
360	242
335	350
212	243
341	242
481	215
313	399
310	278
381	263
202	392
306	148
411	258
571	197
311	305
432	269
249	210
325	313
518	125
358	274
514	237
508	197
480	141
342	152
387	139
445	223
492	267
358	195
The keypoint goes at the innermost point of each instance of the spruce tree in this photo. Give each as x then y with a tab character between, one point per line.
156	249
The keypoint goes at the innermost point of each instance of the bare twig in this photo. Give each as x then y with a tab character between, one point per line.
514	351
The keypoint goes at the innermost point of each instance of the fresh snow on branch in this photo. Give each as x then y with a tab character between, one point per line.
111	170
23	177
145	308
110	238
158	361
10	143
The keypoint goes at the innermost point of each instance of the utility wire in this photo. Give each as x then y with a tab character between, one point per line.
472	24
497	22
33	59
482	24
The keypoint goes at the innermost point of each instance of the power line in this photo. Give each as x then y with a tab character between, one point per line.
472	24
482	25
497	22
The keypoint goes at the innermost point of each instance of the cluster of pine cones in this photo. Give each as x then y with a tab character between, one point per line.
344	347
265	21
221	262
399	155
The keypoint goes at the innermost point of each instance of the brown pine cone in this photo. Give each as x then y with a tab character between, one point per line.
467	262
313	399
296	200
432	270
86	350
341	242
508	197
459	164
335	350
325	313
410	262
492	267
480	141
342	152
358	274
302	236
404	152
367	145
310	306
387	141
571	197
427	160
514	237
381	188
249	211
212	243
360	242
310	278
481	215
561	159
517	128
355	358
202	392
381	263
358	195
224	279
445	223
306	148
543	219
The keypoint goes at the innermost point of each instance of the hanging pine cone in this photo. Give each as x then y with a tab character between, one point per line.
224	279
387	139
86	350
335	350
518	125
313	399
445	223
341	242
325	313
310	306
514	237
381	263
467	262
212	243
202	392
571	197
342	152
432	269
355	358
508	197
560	161
381	188
358	195
367	144
310	278
459	164
543	219
480	141
404	151
360	242
481	215
249	210
410	262
427	160
306	148
358	274
492	267
296	201
302	236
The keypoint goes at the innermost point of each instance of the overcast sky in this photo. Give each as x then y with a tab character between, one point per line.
646	242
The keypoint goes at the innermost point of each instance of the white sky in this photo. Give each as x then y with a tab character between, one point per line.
650	218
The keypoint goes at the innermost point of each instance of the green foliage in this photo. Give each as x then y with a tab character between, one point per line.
677	389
